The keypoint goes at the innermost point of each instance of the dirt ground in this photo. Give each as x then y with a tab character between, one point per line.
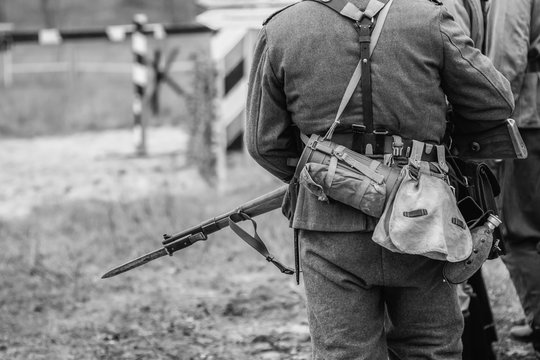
72	207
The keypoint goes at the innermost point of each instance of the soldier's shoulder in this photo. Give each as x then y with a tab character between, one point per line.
276	13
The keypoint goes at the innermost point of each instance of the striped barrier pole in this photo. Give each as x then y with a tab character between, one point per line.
5	49
139	46
229	55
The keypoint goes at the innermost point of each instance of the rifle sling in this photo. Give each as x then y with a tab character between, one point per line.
254	240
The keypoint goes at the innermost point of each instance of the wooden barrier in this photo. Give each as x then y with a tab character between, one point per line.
138	32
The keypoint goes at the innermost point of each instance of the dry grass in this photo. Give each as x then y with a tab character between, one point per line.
190	306
215	300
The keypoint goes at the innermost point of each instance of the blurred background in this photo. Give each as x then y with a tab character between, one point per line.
109	140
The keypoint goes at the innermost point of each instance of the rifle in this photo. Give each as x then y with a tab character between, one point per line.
183	239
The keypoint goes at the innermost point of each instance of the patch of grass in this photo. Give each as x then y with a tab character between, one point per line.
53	304
217	299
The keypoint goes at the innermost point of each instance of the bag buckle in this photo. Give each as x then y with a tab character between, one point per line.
339	154
397	145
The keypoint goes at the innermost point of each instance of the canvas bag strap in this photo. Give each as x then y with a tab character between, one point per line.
351	11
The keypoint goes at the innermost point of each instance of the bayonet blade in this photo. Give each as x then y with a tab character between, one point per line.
141	260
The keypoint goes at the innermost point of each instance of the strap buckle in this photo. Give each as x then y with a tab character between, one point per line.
397	146
368	26
364	30
358	128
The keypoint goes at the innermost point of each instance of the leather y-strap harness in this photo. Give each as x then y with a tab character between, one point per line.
366	138
368	36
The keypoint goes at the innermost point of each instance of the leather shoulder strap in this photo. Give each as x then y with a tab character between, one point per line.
368	41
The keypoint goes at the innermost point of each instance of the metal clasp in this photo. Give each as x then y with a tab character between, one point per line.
357	22
397	145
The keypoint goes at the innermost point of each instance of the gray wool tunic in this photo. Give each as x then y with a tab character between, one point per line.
304	58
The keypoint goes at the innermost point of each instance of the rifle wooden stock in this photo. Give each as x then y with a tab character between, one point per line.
501	142
260	205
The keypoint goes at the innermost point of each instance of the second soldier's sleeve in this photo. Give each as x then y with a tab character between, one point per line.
534	51
479	93
269	136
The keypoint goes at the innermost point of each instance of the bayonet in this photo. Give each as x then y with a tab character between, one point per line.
167	249
183	239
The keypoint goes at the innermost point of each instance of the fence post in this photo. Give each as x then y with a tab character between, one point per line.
228	52
139	46
219	141
5	49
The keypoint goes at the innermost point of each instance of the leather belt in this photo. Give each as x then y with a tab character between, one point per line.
387	144
533	66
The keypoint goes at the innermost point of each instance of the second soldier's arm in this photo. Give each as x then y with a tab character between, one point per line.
480	95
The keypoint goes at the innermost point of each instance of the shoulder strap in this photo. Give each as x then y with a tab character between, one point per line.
351	11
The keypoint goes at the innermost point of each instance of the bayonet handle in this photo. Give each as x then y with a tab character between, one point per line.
184	242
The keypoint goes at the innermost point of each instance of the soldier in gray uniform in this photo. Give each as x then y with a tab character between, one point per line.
514	28
304	58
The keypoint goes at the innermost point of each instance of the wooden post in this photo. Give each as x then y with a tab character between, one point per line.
139	46
219	134
5	49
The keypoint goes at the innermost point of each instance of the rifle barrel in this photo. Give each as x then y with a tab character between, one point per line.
172	243
252	208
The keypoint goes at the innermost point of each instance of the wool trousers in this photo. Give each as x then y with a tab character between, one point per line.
366	302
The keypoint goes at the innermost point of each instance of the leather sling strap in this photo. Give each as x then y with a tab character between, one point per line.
255	241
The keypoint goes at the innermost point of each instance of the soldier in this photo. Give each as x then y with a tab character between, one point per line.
479	332
514	47
304	59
